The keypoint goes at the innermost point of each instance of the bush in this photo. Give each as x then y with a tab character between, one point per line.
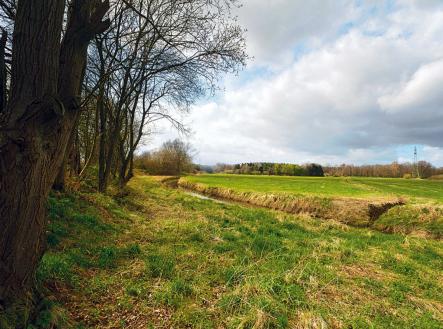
172	159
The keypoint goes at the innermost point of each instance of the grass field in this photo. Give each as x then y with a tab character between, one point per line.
389	205
159	258
414	190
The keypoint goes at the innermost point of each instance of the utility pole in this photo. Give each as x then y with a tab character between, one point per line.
415	170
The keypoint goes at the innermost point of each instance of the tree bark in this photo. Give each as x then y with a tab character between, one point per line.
71	160
35	130
28	143
59	182
3	40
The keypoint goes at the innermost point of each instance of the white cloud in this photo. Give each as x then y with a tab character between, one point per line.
353	95
276	27
422	93
432	154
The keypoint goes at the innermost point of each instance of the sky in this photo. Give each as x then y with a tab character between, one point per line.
331	81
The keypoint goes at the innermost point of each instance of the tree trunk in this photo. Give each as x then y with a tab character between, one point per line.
3	92
59	183
71	160
102	182
29	143
36	127
91	156
108	162
75	158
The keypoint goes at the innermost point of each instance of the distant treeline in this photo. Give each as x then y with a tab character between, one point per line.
422	169
269	168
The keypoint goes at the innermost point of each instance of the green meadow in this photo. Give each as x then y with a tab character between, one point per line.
156	257
412	189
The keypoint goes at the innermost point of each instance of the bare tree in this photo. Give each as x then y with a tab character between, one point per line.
173	158
158	58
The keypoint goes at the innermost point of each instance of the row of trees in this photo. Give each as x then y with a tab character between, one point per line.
269	168
422	169
156	58
173	158
81	84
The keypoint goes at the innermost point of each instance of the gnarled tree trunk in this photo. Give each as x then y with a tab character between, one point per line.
36	126
29	142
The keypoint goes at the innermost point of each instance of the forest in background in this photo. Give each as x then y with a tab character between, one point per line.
422	169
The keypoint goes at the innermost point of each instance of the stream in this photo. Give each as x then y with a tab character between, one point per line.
204	197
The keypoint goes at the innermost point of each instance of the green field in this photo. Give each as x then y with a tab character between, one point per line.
413	206
159	258
413	190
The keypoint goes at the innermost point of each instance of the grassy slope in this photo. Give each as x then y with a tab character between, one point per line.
159	258
329	186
